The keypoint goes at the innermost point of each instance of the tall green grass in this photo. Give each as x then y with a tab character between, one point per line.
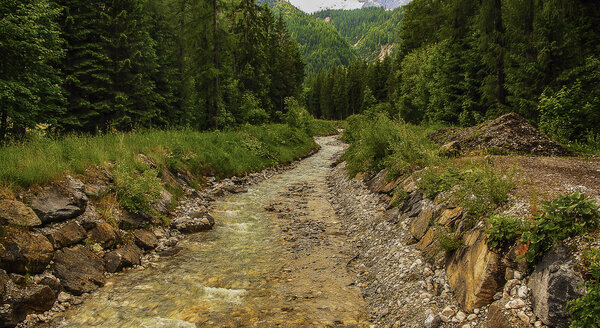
224	153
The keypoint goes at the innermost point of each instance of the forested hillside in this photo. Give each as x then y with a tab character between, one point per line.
321	45
96	66
371	31
460	62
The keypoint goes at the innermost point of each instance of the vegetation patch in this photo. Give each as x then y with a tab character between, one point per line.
585	311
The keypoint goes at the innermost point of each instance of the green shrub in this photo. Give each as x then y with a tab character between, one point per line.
136	190
411	151
483	189
435	180
503	231
562	218
585	311
372	144
297	117
449	242
251	109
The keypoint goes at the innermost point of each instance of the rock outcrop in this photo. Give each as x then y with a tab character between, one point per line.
79	270
104	234
553	283
475	273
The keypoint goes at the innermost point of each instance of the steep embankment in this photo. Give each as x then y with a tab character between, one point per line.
460	236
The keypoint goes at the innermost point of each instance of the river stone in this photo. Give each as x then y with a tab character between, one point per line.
23	252
79	270
198	221
104	234
67	235
13	212
553	283
16	302
49	280
145	239
59	203
475	273
126	256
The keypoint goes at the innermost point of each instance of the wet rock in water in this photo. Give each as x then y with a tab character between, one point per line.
475	273
79	270
16	213
24	252
105	235
195	222
67	235
126	256
145	239
16	302
59	203
553	283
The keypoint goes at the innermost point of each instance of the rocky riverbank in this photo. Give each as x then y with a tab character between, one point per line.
408	280
59	244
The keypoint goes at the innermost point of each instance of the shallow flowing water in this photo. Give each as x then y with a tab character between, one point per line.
224	278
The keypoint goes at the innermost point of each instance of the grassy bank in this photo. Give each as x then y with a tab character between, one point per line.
222	153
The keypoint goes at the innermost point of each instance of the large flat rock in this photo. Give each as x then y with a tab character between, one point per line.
79	270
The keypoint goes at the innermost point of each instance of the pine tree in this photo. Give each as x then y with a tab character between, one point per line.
30	44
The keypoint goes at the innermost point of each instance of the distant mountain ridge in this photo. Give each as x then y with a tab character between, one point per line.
312	6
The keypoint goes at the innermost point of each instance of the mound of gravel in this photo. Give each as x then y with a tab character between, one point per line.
508	134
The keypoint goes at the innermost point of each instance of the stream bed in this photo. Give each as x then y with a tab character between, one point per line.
241	274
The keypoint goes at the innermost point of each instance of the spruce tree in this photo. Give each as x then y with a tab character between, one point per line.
30	44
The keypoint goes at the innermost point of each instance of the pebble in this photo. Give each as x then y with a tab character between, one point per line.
447	311
523	291
515	304
472	317
538	324
461	316
523	317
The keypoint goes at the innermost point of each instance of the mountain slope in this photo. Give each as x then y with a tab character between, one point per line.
321	45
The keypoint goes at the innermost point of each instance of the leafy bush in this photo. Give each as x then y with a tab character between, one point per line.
373	140
435	180
449	242
297	117
136	190
585	311
504	231
253	113
562	218
483	189
411	151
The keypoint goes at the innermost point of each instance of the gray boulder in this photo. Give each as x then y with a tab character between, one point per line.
553	283
59	203
79	270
